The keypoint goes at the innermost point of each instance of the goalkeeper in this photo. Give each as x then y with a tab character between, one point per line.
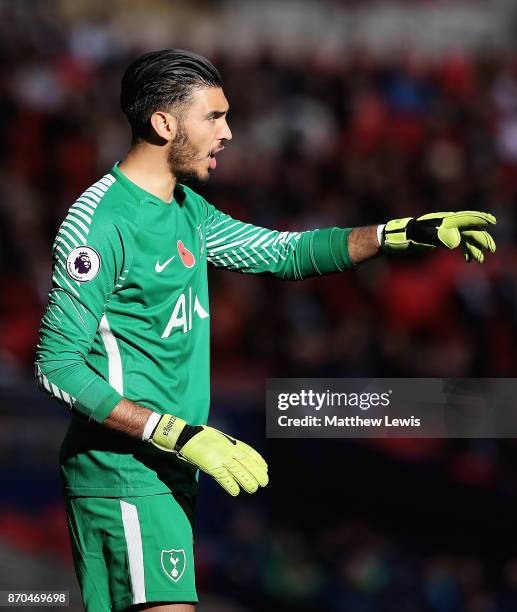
124	341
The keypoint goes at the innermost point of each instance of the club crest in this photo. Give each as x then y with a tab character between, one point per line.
173	563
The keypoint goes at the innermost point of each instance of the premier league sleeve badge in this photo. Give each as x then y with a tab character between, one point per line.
83	264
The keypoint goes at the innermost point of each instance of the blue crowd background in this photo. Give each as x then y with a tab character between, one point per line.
321	137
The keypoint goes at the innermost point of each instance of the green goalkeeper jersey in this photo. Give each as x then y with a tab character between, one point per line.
128	316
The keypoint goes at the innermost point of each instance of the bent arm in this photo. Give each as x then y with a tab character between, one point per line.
75	315
129	418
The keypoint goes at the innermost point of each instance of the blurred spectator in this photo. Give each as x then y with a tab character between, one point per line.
320	138
356	140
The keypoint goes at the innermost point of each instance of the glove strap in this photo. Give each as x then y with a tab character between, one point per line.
395	237
188	432
167	432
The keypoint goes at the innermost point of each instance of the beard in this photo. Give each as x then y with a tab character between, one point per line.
182	158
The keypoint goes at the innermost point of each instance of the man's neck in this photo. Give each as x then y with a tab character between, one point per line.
147	167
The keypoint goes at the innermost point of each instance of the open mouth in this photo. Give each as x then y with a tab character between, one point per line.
211	156
215	152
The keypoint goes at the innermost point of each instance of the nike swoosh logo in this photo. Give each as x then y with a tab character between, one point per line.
234	442
160	268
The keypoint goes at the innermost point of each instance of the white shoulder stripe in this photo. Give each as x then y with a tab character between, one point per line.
75	230
100	187
105	183
98	191
92	194
64	243
87	201
83	206
77	215
71	238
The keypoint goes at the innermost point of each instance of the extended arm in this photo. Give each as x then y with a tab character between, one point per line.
247	248
250	249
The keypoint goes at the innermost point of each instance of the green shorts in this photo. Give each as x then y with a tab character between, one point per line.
131	550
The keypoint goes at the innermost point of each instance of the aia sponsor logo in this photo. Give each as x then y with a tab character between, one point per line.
187	309
186	256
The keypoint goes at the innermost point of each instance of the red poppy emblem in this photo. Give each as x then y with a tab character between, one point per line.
186	256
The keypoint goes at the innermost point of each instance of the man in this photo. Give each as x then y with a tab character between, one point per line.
124	341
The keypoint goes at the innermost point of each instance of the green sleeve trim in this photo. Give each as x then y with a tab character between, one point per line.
97	400
94	396
329	250
339	245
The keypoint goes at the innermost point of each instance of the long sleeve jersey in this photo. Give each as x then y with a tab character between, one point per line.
128	316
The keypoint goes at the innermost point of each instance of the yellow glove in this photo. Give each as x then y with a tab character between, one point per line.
232	463
443	229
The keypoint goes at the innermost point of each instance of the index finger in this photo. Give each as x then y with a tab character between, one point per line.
469	218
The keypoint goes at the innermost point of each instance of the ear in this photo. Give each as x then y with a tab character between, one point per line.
165	125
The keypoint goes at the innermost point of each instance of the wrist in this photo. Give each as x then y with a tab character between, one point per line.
380	233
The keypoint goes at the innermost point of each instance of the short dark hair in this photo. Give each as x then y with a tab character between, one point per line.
162	80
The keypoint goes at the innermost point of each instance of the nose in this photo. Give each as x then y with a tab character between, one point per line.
226	133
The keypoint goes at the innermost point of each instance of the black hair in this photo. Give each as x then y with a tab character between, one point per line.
161	81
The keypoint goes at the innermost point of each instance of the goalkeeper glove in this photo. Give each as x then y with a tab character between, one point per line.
444	229
232	463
